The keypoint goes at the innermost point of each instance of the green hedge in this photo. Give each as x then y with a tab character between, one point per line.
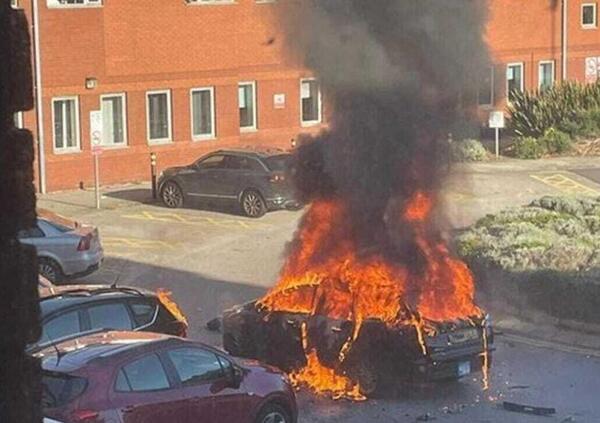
468	150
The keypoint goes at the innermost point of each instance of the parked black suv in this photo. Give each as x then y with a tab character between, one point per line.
71	309
258	181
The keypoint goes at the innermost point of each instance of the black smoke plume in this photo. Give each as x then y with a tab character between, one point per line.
397	76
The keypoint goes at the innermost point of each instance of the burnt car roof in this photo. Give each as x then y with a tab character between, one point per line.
60	297
77	352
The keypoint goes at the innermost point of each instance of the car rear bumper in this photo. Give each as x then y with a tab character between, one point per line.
85	263
456	367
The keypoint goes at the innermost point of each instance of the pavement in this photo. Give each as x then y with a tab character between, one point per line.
211	259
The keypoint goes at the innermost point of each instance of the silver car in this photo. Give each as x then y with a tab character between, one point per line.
64	248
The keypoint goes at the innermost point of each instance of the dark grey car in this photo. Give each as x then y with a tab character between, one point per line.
258	181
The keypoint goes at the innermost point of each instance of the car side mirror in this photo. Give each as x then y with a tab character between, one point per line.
235	377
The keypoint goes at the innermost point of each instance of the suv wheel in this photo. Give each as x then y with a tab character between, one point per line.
50	269
273	413
172	195
253	204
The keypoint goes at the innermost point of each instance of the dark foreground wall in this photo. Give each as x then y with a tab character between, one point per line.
19	374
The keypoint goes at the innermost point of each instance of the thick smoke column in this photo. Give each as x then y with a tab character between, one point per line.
397	75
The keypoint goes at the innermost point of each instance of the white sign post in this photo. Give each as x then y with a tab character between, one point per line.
96	141
497	122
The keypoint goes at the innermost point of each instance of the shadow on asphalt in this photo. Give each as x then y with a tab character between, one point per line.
144	196
200	297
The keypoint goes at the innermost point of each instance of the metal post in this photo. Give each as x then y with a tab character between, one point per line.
97	180
153	174
565	38
39	105
497	142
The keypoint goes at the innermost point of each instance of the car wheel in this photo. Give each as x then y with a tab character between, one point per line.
172	195
253	204
366	375
273	413
50	269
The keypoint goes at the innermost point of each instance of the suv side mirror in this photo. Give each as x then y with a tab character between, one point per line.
236	376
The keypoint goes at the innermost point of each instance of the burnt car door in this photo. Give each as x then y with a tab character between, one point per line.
197	370
145	392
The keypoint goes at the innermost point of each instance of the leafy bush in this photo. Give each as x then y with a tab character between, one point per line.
529	148
570	107
468	150
555	141
552	233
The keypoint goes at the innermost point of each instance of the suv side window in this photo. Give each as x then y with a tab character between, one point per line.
143	311
195	366
144	374
34	232
109	316
212	162
63	325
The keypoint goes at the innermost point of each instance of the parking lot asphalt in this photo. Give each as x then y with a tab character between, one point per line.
213	259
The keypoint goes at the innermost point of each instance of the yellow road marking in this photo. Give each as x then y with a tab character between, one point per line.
137	243
563	183
194	220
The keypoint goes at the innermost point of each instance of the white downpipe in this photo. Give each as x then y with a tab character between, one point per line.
39	104
565	37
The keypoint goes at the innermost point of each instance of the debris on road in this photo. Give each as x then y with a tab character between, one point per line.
427	417
454	409
510	388
528	409
214	325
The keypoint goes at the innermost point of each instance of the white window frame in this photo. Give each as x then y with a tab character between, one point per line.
56	4
169	139
592	25
77	147
19	120
522	87
254	126
213	132
319	101
123	97
14	4
546	62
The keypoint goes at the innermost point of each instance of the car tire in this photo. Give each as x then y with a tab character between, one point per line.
171	195
273	413
50	269
252	204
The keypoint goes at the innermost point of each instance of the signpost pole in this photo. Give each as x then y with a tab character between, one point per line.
497	142
97	179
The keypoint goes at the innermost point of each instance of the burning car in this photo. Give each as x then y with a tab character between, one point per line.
413	350
345	321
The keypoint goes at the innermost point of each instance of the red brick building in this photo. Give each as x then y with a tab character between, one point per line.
180	78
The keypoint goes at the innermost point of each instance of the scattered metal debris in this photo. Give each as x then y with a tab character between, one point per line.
427	417
510	388
454	409
528	409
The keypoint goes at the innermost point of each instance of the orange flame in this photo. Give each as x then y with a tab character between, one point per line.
166	300
326	275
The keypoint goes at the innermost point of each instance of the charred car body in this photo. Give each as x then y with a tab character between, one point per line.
379	354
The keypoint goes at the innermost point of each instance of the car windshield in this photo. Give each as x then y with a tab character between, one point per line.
278	163
59	389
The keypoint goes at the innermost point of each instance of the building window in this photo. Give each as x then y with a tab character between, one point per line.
589	15
65	115
485	93
247	104
159	116
74	3
546	75
114	120
18	120
514	79
203	113
14	4
310	97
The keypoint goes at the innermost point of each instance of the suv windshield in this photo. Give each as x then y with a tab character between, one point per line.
278	163
60	389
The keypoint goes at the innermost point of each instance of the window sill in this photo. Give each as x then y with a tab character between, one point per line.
75	6
65	151
594	26
200	138
309	123
210	3
165	141
114	147
248	130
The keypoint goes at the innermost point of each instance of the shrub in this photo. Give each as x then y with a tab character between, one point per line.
568	107
468	150
555	141
529	148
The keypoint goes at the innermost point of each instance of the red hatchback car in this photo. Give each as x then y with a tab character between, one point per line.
135	377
